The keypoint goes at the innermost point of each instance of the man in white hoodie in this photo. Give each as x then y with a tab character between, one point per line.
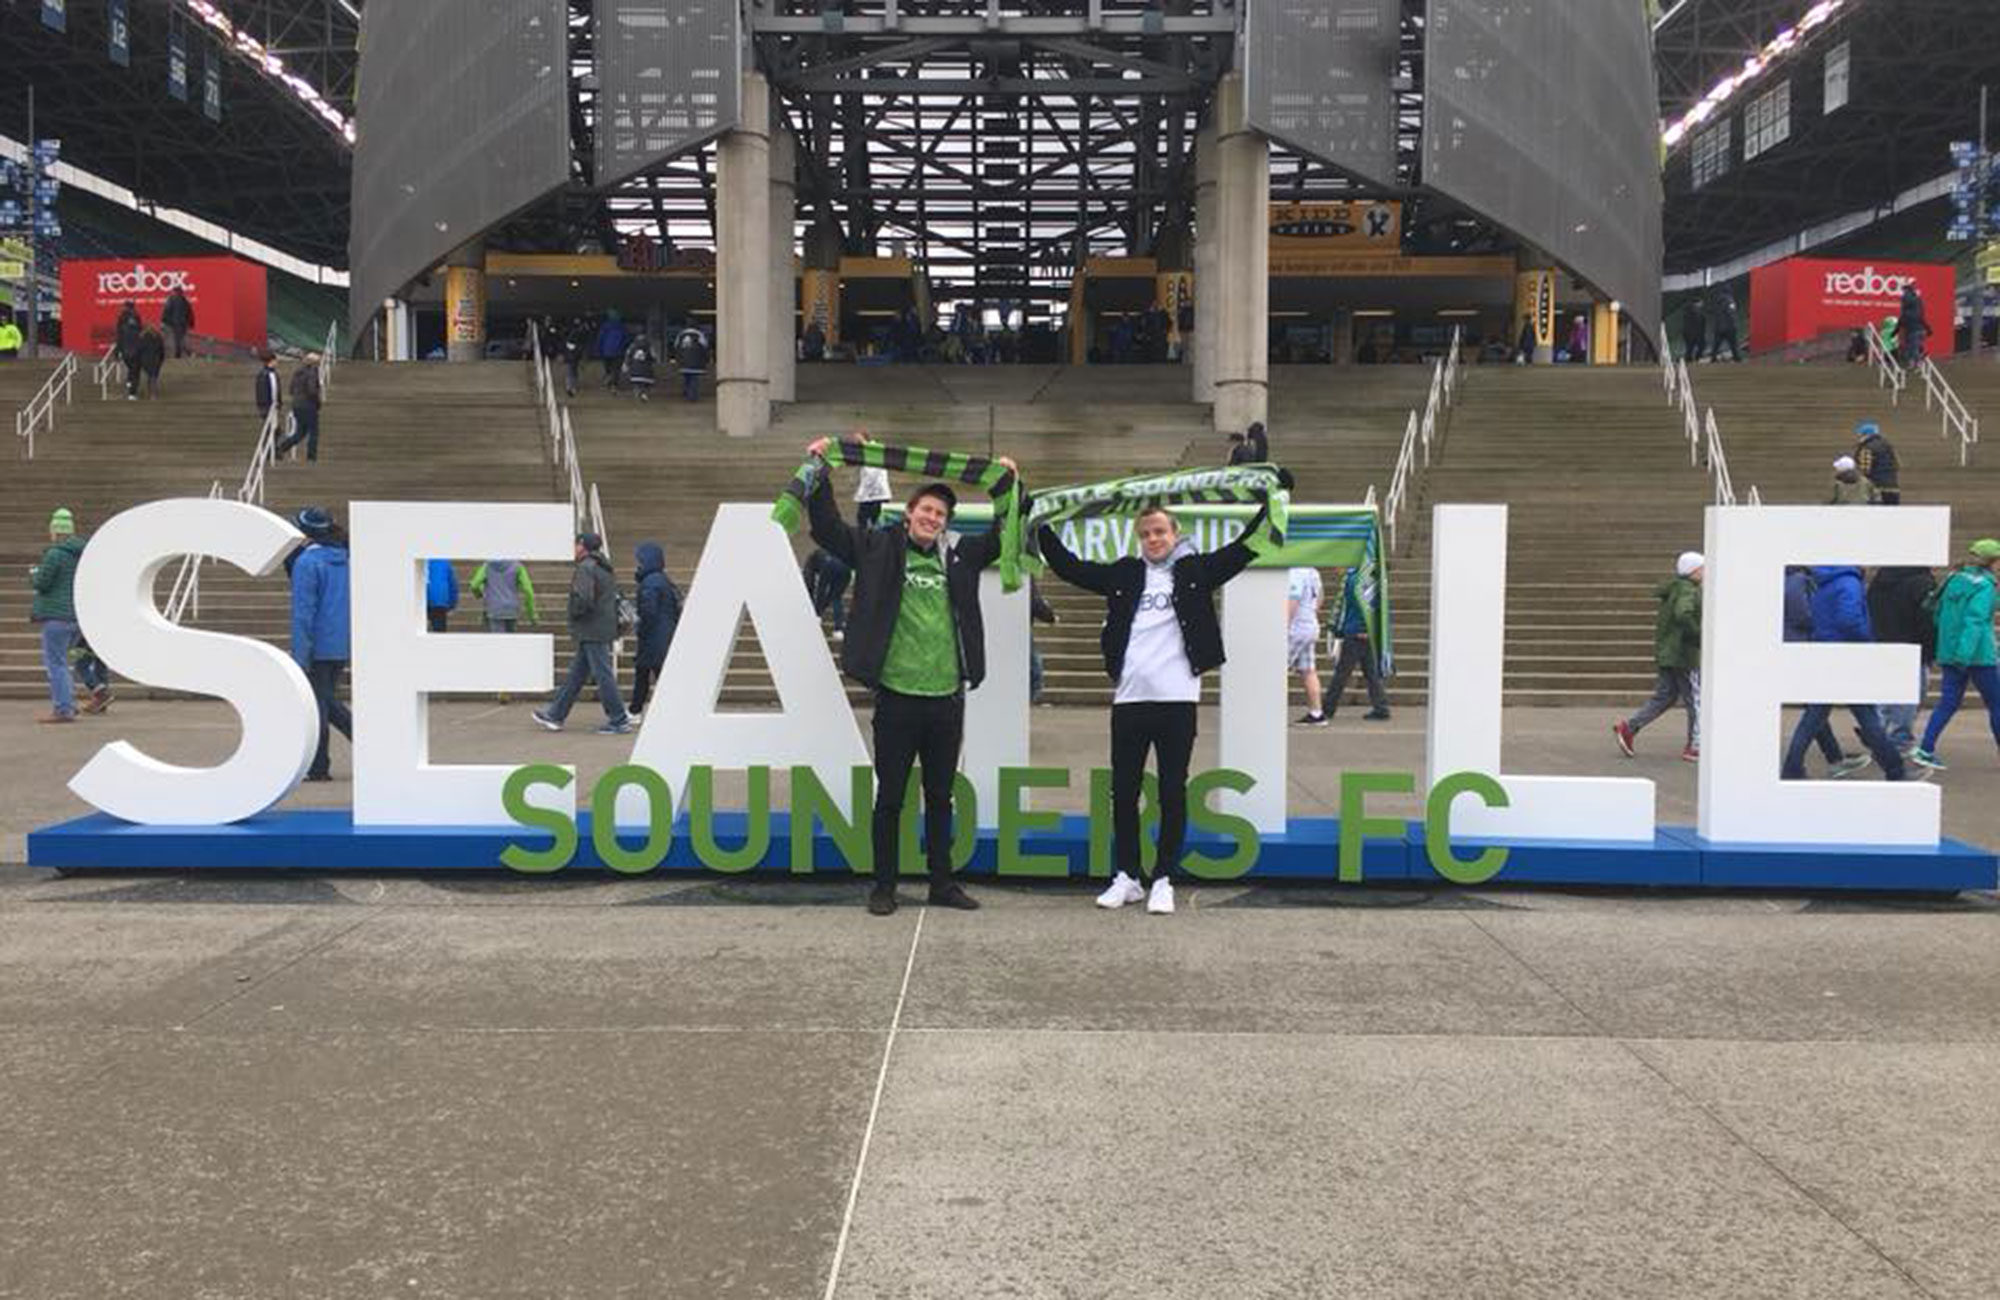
1160	635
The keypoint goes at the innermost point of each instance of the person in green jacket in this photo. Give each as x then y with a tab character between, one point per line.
1677	655
1965	646
54	609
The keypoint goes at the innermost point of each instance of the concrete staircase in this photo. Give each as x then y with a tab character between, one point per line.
1595	469
387	432
1591	460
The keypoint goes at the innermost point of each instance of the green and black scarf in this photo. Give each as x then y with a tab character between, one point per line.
1260	485
983	472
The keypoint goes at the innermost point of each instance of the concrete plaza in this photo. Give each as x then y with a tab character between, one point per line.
704	1087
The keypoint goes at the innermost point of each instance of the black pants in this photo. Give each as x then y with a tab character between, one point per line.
1888	496
437	617
325	675
305	418
1168	730
180	339
909	729
131	374
643	676
1355	650
1725	339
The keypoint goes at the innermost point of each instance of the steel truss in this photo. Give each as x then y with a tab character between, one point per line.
1914	77
270	169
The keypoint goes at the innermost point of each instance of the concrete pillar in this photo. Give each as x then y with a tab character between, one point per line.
784	351
1243	255
1207	283
465	303
742	275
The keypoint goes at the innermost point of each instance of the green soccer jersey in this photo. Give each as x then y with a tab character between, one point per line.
923	648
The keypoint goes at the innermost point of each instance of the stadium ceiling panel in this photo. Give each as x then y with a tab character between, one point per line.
1319	77
669	76
1543	118
463	121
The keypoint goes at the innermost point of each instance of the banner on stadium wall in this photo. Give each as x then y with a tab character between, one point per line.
1802	298
177	61
227	293
465	305
1535	300
819	298
118	33
1315	238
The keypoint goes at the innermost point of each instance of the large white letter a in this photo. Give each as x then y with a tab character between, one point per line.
747	567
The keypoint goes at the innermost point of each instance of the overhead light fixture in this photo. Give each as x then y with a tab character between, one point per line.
1376	311
1460	311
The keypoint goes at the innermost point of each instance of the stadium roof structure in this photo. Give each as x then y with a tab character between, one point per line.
1845	115
275	167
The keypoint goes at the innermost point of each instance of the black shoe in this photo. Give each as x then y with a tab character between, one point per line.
954	897
882	901
1376	715
319	776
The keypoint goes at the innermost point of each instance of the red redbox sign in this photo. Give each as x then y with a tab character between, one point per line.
1803	297
227	293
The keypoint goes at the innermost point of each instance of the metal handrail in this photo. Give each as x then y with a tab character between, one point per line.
1888	370
252	488
1956	415
1420	433
185	596
41	408
105	371
326	355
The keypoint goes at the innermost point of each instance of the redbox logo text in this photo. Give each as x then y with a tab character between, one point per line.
1868	282
143	279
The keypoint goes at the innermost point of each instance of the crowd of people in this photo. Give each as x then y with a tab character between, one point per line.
630	359
1951	623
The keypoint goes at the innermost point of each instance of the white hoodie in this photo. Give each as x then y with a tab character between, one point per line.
1156	663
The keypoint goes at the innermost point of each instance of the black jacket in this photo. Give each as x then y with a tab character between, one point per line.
1878	462
266	388
877	556
1896	607
152	352
178	313
129	331
1122	582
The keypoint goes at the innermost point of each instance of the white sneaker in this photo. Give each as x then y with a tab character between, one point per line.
1123	890
1160	902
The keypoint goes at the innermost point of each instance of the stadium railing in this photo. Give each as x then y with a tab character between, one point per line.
41	408
1957	418
1419	434
1888	371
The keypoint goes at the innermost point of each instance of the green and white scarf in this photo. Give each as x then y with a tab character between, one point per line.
1260	485
983	472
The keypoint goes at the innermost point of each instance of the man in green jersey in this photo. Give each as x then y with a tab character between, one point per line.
915	638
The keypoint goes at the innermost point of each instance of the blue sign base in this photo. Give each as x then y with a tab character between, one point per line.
328	840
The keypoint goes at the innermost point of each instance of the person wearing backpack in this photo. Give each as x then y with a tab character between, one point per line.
641	367
1676	656
659	615
593	626
1965	646
1876	459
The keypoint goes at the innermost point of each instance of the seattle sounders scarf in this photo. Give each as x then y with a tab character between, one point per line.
1261	485
983	472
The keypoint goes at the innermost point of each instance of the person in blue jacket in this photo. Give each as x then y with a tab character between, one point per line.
440	593
320	625
659	616
1840	614
1798	627
611	341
